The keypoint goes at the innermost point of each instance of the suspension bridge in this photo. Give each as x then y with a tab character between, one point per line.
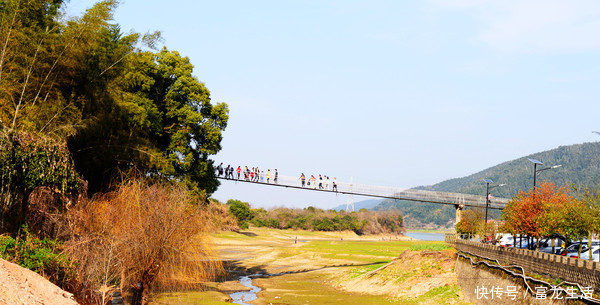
458	200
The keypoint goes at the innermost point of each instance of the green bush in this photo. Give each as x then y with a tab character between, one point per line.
40	255
240	210
34	161
323	224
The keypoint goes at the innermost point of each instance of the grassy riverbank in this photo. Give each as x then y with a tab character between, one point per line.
330	268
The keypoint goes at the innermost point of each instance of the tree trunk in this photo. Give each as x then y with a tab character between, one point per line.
590	244
141	290
122	285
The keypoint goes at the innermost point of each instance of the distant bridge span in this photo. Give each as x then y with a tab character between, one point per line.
458	200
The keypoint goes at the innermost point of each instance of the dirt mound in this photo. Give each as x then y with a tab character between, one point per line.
411	274
22	286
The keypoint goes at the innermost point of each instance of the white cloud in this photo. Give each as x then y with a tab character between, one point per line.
534	25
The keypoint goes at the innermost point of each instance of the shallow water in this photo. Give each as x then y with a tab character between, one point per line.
241	297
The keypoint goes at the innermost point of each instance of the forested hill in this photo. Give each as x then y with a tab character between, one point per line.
580	165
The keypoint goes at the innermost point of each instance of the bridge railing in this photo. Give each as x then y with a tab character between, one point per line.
584	272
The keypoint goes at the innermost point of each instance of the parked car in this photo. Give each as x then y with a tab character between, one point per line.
595	254
575	252
506	241
523	245
573	249
545	245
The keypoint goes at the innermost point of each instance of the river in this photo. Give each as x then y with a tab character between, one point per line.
426	236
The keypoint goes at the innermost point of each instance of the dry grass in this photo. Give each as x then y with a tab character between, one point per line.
141	237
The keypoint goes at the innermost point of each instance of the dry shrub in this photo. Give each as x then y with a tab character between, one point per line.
45	211
141	236
219	218
311	218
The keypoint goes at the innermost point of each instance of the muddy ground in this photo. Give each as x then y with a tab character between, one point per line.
299	267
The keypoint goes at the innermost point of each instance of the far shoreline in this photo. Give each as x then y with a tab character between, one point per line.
433	231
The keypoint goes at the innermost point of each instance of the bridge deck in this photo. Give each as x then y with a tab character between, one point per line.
383	192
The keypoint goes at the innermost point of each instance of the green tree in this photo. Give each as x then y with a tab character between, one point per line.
240	210
557	214
162	122
121	107
575	221
590	202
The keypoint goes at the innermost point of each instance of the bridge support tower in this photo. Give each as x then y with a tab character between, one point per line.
459	208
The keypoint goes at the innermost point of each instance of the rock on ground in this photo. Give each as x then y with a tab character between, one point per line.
20	286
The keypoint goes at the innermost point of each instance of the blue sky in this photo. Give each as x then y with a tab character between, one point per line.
395	93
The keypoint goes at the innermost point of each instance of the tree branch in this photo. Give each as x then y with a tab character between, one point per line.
25	84
5	47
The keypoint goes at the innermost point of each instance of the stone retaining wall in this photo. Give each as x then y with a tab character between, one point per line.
584	272
472	279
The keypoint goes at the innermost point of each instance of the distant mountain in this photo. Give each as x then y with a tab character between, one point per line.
580	166
365	204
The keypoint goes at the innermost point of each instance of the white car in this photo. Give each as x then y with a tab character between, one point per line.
595	254
572	250
506	240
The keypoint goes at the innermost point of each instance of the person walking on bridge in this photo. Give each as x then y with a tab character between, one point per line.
302	179
313	181
220	169
276	176
239	171
227	172
268	175
334	184
320	182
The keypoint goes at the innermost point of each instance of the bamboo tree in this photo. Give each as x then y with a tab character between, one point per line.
7	28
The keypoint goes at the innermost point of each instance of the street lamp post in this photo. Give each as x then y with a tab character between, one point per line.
487	195
535	163
535	170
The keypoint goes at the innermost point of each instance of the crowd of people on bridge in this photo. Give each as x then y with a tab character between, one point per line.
251	175
256	175
323	182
